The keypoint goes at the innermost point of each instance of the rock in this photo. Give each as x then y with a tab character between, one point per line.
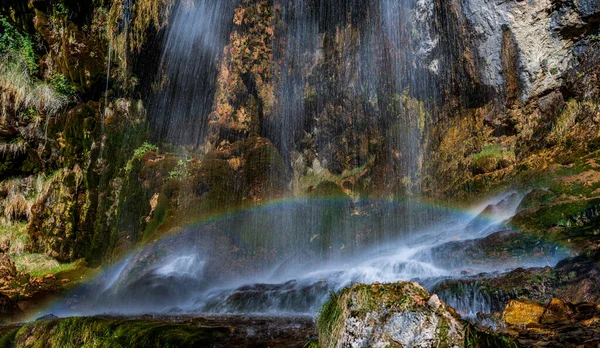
556	311
561	325
7	267
535	199
47	317
383	315
8	309
522	312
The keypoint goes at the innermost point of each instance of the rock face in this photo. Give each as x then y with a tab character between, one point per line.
7	267
384	315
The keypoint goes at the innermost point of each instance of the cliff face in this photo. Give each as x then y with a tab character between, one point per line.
430	98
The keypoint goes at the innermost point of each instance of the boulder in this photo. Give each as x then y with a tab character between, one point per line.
388	315
522	312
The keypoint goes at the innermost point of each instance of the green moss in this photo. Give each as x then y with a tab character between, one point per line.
160	215
328	189
265	171
555	215
139	153
16	235
8	336
360	299
491	158
112	332
39	265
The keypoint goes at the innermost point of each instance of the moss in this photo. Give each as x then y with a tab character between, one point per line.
492	158
15	236
328	189
557	214
39	265
8	336
160	215
113	332
265	173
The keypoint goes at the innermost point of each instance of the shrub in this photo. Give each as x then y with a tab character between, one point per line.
20	94
62	85
18	44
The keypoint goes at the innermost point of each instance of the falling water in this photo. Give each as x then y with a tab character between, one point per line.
341	68
190	59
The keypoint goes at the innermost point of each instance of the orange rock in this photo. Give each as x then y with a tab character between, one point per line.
556	311
522	312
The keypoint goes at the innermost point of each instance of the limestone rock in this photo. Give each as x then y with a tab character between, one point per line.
383	315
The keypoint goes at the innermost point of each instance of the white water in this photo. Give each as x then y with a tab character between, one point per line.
179	282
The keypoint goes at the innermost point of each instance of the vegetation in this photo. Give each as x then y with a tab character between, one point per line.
40	265
62	85
13	43
21	94
491	158
139	153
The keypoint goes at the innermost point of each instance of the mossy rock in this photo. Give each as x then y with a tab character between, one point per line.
55	217
535	199
115	332
328	189
492	158
264	170
388	315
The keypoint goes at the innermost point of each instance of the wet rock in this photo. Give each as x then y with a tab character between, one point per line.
535	199
264	298
497	211
497	251
381	315
561	324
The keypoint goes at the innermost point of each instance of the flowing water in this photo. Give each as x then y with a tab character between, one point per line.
204	270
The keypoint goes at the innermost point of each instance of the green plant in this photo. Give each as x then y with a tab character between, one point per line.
60	11
181	171
138	153
62	85
39	265
594	37
145	147
18	44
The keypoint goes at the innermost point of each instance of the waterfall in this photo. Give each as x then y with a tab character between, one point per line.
185	85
